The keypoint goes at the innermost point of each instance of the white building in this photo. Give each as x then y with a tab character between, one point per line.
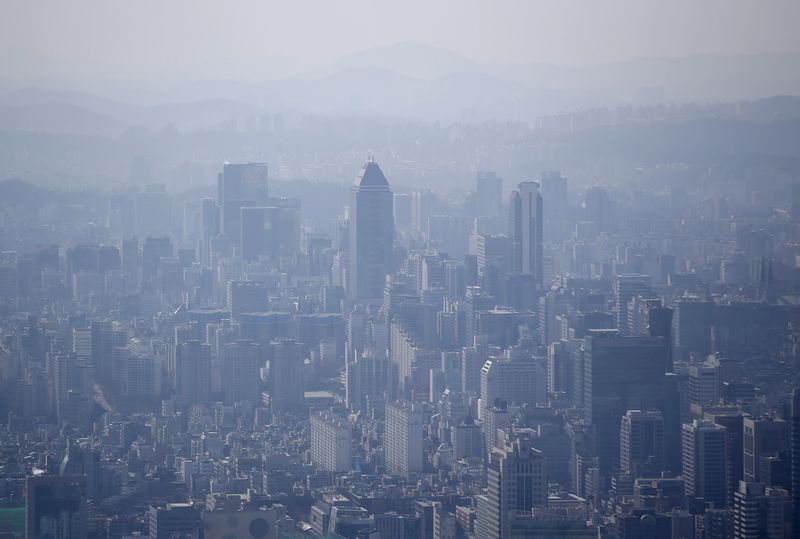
331	442
402	442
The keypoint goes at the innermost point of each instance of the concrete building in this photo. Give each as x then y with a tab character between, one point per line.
758	512
704	383
402	443
331	442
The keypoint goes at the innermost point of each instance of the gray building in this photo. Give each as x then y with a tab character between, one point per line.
371	234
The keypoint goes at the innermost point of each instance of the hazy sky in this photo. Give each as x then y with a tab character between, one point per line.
70	40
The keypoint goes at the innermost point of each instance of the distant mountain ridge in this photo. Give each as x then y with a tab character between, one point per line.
413	81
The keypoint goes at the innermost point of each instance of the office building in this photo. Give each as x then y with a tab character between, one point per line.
597	207
517	482
143	376
371	234
758	512
106	336
122	214
626	287
55	507
764	437
286	387
368	376
467	440
554	196
615	374
732	419
494	251
240	185
526	231
241	361
704	383
247	297
488	193
515	378
693	323
642	443
153	211
704	462
193	373
794	448
174	520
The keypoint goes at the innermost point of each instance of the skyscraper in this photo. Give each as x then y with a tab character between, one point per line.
704	462
597	207
642	443
254	232
286	391
210	229
627	287
369	375
764	437
247	297
517	482
617	374
794	414
519	379
704	383
240	376
732	419
693	321
153	211
554	195
240	185
371	234
193	377
758	512
554	205
526	230
105	337
402	442
56	507
489	192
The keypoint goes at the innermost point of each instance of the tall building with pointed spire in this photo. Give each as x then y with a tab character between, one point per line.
371	234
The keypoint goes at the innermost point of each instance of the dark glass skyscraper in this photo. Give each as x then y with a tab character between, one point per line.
618	374
371	234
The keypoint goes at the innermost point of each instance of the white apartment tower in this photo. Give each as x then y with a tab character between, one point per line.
331	442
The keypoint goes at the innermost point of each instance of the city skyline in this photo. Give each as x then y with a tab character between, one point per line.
443	270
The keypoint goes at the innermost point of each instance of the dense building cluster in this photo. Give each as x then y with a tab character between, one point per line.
534	361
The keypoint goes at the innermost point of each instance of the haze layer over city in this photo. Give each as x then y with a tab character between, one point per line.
374	270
